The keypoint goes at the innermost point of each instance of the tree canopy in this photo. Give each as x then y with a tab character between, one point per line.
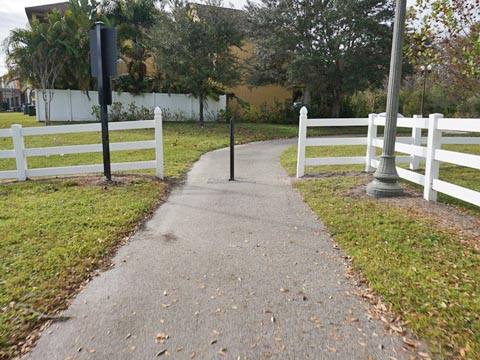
134	20
445	34
53	53
193	49
60	41
330	47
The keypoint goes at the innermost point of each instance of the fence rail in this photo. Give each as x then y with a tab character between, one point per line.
20	153
431	154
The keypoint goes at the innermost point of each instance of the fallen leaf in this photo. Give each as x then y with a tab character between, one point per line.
272	319
213	342
166	305
362	344
411	342
278	339
284	290
161	337
192	355
283	347
351	319
397	329
161	352
331	348
216	332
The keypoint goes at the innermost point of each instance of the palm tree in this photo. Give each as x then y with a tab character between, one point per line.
36	56
133	19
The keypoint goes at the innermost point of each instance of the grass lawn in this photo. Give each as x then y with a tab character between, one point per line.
428	273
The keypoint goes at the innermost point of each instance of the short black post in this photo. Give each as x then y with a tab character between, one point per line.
102	79
232	150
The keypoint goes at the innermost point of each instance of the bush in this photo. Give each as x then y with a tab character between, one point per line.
116	112
280	113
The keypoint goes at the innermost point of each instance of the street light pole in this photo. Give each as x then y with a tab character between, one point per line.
385	182
425	71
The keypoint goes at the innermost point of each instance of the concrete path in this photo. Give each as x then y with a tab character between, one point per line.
235	270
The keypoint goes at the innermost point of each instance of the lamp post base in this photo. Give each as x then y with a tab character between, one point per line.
380	189
385	182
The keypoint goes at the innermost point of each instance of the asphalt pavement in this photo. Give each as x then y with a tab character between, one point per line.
224	270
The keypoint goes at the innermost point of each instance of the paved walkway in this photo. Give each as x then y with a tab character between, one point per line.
235	270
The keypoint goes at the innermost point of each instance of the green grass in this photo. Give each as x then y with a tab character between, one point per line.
428	274
10	118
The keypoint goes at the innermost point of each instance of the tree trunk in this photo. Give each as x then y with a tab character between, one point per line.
336	100
50	98
306	98
201	101
46	104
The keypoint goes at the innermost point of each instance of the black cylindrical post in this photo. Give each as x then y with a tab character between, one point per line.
232	150
105	143
102	88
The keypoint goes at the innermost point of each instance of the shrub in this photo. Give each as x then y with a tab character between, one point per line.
280	113
116	112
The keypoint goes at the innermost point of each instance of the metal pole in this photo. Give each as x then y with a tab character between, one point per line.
103	104
232	151
423	92
385	183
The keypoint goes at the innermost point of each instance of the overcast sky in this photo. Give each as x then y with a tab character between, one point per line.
12	15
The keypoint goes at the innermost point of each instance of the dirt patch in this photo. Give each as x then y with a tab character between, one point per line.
446	217
330	174
169	238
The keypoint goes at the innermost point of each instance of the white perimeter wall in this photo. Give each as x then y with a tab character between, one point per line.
73	105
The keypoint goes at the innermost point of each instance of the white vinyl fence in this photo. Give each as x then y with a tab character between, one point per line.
20	153
432	154
73	105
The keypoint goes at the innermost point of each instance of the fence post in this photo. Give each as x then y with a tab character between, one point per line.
371	135
302	137
432	167
417	141
158	142
19	147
